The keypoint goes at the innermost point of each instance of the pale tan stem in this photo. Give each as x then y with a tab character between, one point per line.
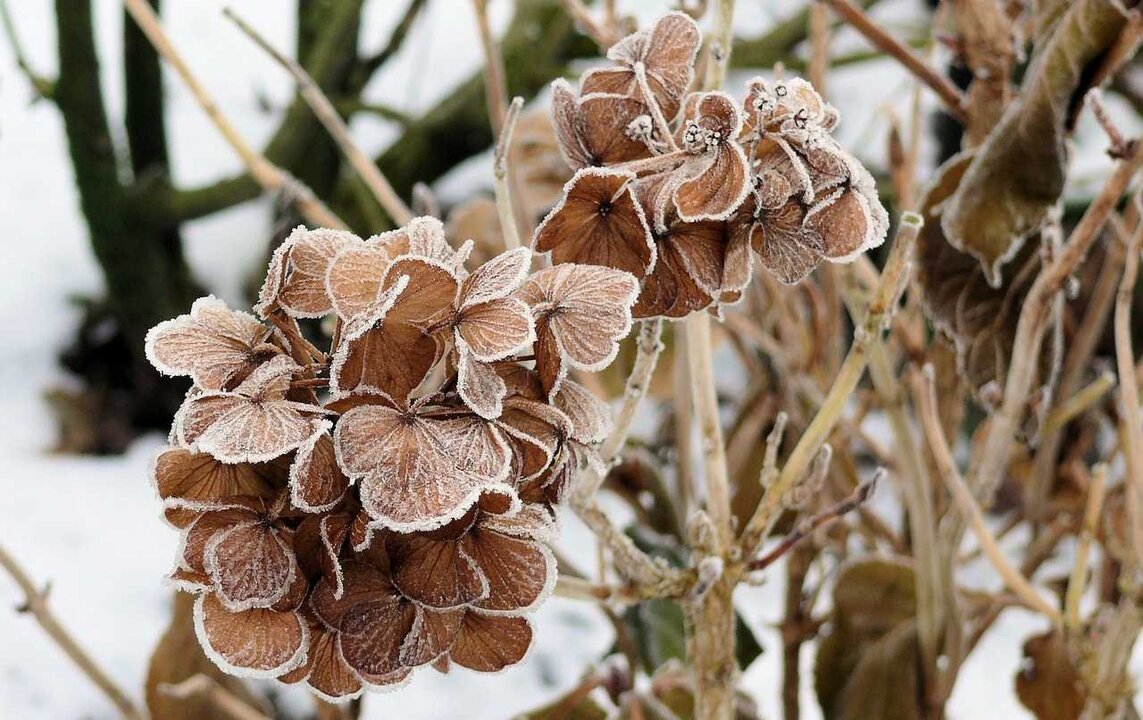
575	588
889	287
819	46
915	489
648	347
715	475
1079	403
36	603
1078	579
502	119
914	63
268	175
992	461
926	394
1129	393
501	173
225	703
327	114
603	38
495	86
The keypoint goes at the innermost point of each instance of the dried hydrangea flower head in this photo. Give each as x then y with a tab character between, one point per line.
710	179
354	512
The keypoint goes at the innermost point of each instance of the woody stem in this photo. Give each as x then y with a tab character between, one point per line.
710	618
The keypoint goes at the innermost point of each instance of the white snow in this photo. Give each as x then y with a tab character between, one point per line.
91	526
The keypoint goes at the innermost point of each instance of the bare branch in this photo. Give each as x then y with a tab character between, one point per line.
924	388
327	114
228	705
36	603
914	63
43	87
502	175
271	177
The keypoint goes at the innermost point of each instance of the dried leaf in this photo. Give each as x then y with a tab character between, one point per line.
1017	176
1048	683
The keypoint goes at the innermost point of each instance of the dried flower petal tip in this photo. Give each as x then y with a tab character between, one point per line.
213	345
597	130
664	54
598	222
253	423
582	312
295	282
713	182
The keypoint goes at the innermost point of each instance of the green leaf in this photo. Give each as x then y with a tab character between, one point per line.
1017	176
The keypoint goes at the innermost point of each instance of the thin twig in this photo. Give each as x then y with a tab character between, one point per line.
602	37
914	63
372	63
327	114
1079	403
1129	392
501	173
807	526
36	603
576	588
268	175
924	388
43	87
889	288
227	704
1078	579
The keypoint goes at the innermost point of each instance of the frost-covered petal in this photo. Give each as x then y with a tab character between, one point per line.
251	643
316	481
497	278
589	416
371	635
520	573
434	571
490	643
432	636
252	565
717	189
598	222
495	329
479	385
212	344
194	480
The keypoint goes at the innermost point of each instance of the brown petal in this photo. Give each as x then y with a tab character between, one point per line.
787	248
212	344
326	671
430	294
372	633
495	329
590	417
239	430
481	388
434	572
192	480
568	124
587	308
550	367
308	255
844	223
251	643
316	482
432	636
353	280
535	431
490	643
418	473
252	565
498	278
391	359
716	189
361	583
604	123
520	573
598	223
670	291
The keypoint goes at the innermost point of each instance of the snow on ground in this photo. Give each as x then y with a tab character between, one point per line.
91	526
